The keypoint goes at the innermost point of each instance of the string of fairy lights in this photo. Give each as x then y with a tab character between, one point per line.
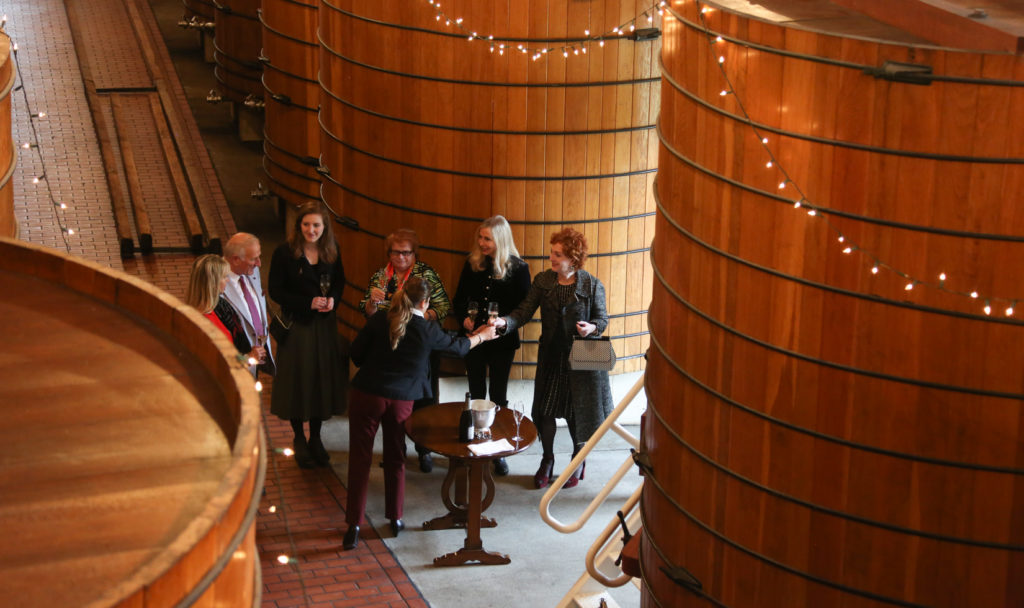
34	144
818	211
786	183
575	48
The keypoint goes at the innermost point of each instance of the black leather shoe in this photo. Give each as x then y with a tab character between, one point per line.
500	467
302	456
319	453
351	538
426	463
397	526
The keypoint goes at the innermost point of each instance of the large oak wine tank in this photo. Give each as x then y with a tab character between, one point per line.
291	129
131	456
237	38
835	382
436	120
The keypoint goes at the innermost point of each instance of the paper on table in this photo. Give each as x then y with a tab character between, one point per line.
491	447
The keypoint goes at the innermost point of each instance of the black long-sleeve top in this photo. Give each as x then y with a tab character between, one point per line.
294	282
481	286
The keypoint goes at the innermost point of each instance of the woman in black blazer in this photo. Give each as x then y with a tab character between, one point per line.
393	354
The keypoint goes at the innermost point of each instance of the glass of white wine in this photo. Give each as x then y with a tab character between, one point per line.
492	310
518	412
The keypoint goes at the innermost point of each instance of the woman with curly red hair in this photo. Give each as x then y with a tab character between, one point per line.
572	304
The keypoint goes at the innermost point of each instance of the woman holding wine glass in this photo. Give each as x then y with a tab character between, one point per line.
402	247
493	281
572	304
306	280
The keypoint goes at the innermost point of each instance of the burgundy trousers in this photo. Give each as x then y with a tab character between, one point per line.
365	413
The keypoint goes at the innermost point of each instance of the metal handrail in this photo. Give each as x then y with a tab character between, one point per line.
625	467
606	535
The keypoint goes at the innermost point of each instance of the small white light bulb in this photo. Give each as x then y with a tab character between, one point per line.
721	59
764	140
272	509
974	294
812	212
942	276
987	309
909	286
874	270
1009	311
768	165
258	386
848	250
782	185
288	452
282	559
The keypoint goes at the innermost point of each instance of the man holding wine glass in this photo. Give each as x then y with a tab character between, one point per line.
244	291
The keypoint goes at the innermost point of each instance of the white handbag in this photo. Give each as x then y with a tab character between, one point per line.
596	355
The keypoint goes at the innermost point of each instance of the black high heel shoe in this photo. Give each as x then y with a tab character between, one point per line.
351	538
397	525
543	475
576	476
319	453
302	455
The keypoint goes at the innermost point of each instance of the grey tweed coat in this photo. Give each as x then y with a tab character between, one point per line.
591	393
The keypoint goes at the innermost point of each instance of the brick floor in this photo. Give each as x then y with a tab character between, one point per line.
308	519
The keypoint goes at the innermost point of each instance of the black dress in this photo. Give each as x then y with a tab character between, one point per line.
312	378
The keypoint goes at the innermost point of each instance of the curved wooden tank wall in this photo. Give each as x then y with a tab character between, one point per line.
819	435
200	8
112	505
291	142
424	129
8	156
237	39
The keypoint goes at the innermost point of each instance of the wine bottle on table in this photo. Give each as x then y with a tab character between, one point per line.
466	422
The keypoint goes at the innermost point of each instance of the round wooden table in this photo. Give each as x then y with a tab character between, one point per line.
436	427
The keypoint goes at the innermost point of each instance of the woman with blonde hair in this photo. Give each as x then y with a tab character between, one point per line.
392	352
572	304
306	280
493	273
206	284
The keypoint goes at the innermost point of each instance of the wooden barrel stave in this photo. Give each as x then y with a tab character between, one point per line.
8	155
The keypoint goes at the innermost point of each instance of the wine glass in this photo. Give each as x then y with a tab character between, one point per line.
518	412
492	310
325	284
472	308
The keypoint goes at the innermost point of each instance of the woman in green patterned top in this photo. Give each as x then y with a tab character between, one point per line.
402	247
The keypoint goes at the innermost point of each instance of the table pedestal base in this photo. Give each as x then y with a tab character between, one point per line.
464	555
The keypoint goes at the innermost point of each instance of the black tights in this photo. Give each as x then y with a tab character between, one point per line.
546	430
314	429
